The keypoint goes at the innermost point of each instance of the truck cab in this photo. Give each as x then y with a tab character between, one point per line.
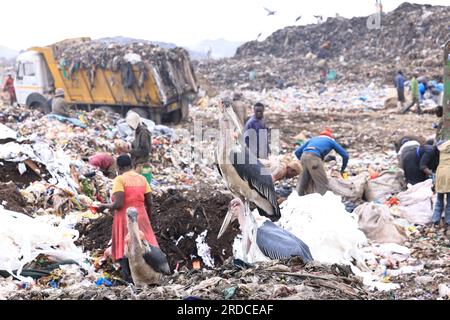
34	82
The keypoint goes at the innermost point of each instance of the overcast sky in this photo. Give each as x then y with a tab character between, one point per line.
183	22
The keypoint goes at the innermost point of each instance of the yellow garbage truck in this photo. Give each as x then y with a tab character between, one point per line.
154	82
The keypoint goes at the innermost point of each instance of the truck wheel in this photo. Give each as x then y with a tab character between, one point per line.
156	117
141	112
176	116
38	101
107	109
184	108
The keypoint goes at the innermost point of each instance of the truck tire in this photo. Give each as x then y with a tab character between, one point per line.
38	101
184	108
156	117
143	112
107	109
176	116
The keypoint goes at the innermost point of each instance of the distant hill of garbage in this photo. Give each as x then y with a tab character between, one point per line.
409	38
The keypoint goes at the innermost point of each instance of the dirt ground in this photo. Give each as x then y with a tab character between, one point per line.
360	131
9	172
11	199
356	130
175	215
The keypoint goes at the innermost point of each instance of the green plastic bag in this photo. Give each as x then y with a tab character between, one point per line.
147	173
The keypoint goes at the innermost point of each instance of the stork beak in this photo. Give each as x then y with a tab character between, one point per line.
234	118
226	222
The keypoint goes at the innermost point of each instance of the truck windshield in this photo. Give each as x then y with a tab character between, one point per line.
19	71
29	70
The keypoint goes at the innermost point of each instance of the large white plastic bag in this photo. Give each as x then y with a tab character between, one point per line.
415	203
23	238
322	222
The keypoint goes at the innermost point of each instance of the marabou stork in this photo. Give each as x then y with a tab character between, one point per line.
268	241
147	263
244	178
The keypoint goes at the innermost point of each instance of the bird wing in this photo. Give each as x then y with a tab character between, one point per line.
278	243
267	10
261	183
156	259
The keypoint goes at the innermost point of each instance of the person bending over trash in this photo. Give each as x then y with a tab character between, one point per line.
313	177
59	105
442	187
130	189
142	144
419	163
105	162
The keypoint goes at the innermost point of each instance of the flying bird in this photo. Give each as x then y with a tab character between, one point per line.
259	35
298	18
270	12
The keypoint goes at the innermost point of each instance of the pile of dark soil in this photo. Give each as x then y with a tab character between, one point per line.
177	216
95	235
9	171
11	199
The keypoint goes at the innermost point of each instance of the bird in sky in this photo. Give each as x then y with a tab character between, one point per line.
259	35
270	12
298	18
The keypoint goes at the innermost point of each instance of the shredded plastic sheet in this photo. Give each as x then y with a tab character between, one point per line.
56	162
204	250
7	133
23	238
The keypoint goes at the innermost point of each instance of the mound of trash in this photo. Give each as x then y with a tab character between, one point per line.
410	38
23	238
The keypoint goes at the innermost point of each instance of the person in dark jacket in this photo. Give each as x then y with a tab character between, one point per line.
400	86
142	144
313	177
419	163
256	133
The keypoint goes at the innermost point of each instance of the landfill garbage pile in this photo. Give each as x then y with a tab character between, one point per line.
190	202
290	280
424	273
410	39
170	68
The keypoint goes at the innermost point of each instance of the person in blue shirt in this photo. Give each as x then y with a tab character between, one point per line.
422	89
400	85
311	154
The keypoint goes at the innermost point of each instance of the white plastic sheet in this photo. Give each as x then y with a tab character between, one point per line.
23	238
203	249
322	222
7	133
57	162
